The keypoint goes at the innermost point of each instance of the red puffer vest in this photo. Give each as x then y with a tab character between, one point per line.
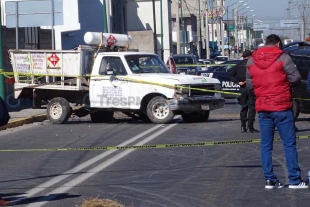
271	87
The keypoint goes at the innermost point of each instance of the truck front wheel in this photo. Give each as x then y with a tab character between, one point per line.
159	111
101	116
58	110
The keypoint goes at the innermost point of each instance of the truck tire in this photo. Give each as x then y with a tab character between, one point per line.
158	111
101	116
195	117
58	110
296	110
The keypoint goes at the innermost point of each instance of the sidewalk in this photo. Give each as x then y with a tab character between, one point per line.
25	116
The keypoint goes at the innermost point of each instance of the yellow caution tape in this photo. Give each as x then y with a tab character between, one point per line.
123	78
202	65
154	146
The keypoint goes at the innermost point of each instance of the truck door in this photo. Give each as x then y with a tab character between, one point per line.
110	89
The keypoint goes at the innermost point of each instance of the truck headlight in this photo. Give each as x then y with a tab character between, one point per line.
178	89
218	87
182	89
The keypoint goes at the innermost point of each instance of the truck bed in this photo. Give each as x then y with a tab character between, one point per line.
52	69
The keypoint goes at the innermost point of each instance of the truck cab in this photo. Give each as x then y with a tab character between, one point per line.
186	64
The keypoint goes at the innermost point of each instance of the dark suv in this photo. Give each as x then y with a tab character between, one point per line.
186	64
300	53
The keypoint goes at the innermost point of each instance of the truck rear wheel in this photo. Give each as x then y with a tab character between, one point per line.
58	110
101	116
159	111
195	117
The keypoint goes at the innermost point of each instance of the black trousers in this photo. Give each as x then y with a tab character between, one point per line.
247	102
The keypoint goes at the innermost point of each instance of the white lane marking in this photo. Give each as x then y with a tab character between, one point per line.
74	182
80	167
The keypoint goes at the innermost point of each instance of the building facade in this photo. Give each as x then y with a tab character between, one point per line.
149	24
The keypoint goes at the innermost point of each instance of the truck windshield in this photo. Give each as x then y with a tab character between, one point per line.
146	64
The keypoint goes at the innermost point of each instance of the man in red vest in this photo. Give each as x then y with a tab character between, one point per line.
4	203
271	74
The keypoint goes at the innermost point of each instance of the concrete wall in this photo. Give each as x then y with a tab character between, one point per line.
81	16
140	18
142	40
45	39
9	42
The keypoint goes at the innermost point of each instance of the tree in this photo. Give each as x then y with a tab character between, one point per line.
304	12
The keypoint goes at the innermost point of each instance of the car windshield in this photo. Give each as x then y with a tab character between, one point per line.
221	58
146	64
183	60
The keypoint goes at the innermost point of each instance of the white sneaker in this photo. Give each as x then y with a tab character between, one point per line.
301	185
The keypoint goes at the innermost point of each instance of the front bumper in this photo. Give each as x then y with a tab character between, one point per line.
198	103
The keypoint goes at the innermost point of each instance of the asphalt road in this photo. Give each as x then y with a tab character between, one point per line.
226	175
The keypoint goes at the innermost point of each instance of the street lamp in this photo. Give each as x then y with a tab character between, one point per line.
228	37
237	18
248	11
246	29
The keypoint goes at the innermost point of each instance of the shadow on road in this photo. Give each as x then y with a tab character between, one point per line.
51	197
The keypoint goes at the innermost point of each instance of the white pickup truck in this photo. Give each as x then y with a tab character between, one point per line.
90	81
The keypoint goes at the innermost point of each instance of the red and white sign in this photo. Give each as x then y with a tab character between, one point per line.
111	40
54	59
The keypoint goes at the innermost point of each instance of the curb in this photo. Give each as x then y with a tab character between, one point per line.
27	120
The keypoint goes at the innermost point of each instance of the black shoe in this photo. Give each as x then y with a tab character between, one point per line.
243	129
273	185
252	130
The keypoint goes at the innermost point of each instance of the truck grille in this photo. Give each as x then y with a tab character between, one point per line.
200	90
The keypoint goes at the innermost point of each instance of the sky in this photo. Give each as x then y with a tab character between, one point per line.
269	12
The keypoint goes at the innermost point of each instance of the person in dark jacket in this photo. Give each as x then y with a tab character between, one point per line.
271	74
247	98
308	82
4	118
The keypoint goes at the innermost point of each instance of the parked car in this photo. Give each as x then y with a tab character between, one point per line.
214	53
300	53
171	65
186	64
220	59
205	63
222	72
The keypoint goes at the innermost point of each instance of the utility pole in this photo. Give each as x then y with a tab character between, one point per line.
183	30
236	30
222	34
155	30
105	22
228	37
2	94
199	41
108	5
212	26
161	30
177	18
207	33
242	33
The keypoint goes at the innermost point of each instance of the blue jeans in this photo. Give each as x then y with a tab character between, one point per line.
284	121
